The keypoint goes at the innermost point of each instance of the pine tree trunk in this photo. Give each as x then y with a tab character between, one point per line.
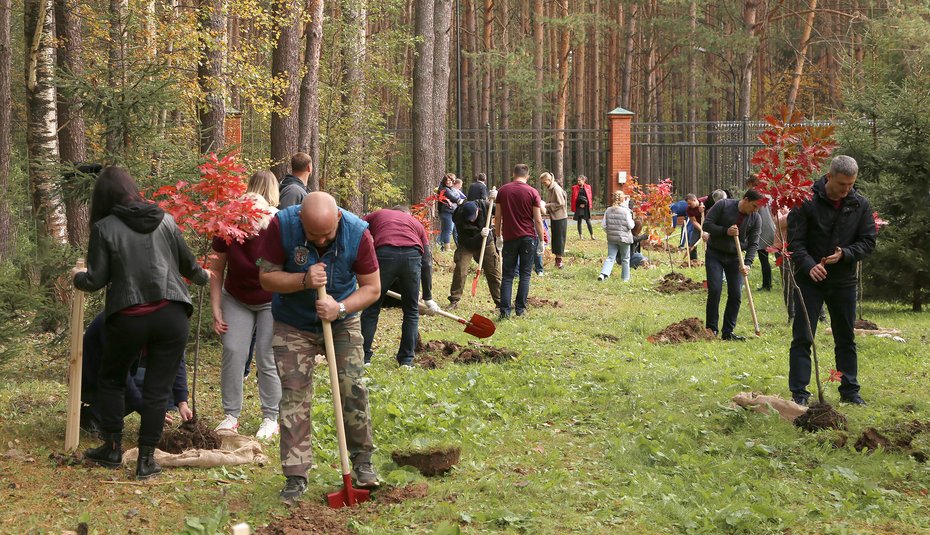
473	83
212	112
309	117
505	89
626	82
802	56
355	17
116	128
442	26
750	10
42	120
71	139
424	171
562	104
488	41
7	225
538	51
692	98
285	63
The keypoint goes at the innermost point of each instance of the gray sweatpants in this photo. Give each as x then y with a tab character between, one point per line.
242	320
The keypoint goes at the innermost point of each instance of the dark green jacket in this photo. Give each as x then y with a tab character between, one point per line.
138	253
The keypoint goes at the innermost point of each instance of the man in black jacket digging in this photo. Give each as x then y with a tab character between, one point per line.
827	235
469	219
726	219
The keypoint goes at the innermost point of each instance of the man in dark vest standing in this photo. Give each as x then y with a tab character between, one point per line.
304	248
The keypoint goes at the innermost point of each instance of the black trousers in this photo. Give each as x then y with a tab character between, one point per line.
766	269
164	335
715	265
559	229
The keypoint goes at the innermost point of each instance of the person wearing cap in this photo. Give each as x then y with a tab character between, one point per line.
403	252
469	220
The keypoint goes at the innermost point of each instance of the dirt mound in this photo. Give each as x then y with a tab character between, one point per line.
429	462
871	439
911	437
190	435
539	303
820	416
694	264
439	353
314	518
866	325
677	282
607	337
689	330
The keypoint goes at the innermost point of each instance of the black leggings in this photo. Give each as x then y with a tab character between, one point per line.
163	334
590	230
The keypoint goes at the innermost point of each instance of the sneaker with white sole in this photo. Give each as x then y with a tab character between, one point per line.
268	429
230	423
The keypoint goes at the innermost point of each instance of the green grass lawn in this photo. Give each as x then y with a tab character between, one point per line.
590	430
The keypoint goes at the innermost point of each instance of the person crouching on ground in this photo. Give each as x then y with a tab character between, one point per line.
470	219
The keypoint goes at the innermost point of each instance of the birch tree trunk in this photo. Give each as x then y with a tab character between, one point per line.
309	118
42	120
424	171
285	63
442	26
7	225
212	113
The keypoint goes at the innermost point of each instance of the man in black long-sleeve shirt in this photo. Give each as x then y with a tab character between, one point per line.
726	219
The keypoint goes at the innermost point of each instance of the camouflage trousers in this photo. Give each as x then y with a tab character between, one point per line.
294	354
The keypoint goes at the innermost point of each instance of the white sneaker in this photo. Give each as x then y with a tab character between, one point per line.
230	423
268	429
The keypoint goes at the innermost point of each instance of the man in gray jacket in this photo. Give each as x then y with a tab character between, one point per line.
727	219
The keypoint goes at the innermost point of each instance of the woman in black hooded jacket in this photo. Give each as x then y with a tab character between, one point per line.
138	253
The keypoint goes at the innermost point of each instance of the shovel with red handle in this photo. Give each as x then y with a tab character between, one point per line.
477	326
484	245
348	495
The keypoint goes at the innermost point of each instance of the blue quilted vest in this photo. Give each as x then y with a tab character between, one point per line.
298	309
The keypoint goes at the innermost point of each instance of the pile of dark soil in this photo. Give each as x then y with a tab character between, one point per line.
539	303
911	437
439	353
694	264
430	462
820	416
190	435
676	283
689	330
608	337
865	325
314	518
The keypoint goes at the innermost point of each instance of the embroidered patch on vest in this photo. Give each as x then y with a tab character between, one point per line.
301	255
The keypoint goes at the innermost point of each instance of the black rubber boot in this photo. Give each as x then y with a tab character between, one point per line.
146	466
110	453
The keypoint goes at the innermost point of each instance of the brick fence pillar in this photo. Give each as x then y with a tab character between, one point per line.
232	130
620	150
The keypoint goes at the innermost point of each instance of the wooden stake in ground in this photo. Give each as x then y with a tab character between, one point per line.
752	305
73	424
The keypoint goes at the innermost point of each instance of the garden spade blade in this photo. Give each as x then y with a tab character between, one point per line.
348	495
478	326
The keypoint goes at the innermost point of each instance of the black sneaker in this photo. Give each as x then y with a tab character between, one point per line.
364	475
801	400
734	337
855	399
294	487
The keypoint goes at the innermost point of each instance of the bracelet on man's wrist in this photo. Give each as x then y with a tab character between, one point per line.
303	282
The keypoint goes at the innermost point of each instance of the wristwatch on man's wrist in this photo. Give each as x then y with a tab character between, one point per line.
342	311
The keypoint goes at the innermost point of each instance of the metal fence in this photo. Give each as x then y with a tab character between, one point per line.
699	157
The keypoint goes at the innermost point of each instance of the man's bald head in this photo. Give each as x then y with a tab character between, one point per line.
319	216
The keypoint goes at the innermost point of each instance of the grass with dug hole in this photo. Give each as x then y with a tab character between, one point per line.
591	429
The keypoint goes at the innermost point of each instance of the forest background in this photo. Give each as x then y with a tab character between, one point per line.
386	96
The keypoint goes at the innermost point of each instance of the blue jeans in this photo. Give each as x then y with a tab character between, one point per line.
445	227
841	302
400	266
716	265
619	251
520	250
537	259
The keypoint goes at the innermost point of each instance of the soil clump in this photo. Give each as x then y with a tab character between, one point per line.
190	435
429	462
676	283
689	330
821	416
539	303
439	353
911	437
865	325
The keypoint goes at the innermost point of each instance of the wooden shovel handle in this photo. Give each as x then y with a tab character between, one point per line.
484	242
394	295
76	327
752	305
334	381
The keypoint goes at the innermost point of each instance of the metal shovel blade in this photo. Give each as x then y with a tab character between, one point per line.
480	326
348	495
